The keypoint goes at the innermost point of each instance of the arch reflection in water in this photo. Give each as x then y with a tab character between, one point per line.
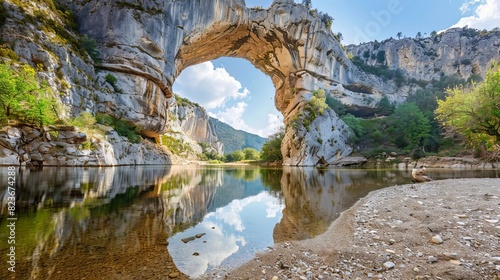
242	215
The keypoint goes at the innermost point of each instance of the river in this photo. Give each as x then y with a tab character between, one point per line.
129	222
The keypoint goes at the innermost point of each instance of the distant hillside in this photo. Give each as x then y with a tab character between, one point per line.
234	139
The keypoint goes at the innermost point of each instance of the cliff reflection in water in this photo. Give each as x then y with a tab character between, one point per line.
128	222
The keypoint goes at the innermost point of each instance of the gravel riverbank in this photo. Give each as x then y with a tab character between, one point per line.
446	229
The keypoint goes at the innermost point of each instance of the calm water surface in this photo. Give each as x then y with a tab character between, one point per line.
129	222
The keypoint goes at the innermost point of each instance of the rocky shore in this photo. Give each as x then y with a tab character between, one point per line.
446	229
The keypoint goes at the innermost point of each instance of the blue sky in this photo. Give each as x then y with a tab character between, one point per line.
235	92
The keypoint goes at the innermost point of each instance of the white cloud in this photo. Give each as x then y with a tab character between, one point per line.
485	16
468	5
209	86
233	116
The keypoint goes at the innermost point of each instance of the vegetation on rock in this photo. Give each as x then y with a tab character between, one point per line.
24	97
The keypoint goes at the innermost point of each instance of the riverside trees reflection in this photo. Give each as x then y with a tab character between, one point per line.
127	221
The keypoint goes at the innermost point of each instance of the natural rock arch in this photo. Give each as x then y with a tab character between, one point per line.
149	44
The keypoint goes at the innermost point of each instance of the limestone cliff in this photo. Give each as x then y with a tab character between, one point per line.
461	52
191	124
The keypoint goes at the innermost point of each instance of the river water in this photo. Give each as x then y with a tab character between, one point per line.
130	222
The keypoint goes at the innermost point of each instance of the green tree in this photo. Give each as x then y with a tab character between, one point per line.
251	154
474	111
385	107
412	125
307	3
355	124
22	98
399	35
271	150
40	110
235	156
90	46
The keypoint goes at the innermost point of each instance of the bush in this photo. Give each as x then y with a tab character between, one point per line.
90	47
122	127
84	120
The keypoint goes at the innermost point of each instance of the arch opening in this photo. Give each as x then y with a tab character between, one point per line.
233	91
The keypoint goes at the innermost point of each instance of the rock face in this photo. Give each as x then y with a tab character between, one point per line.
147	46
33	147
193	124
461	52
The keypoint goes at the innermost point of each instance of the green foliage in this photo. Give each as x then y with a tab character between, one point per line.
336	105
3	14
380	71
83	120
22	97
176	146
366	54
208	153
235	156
317	104
39	110
474	111
307	3
355	124
271	151
447	82
466	61
412	125
122	127
385	107
251	154
234	139
184	102
90	46
326	19
381	57
425	99
6	51
111	79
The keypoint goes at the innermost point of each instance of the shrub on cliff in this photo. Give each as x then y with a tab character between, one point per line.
23	97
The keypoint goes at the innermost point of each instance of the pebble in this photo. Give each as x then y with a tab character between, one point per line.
436	239
432	259
456	262
491	221
174	275
452	255
275	278
389	265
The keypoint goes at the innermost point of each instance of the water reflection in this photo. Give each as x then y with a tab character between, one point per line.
128	222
